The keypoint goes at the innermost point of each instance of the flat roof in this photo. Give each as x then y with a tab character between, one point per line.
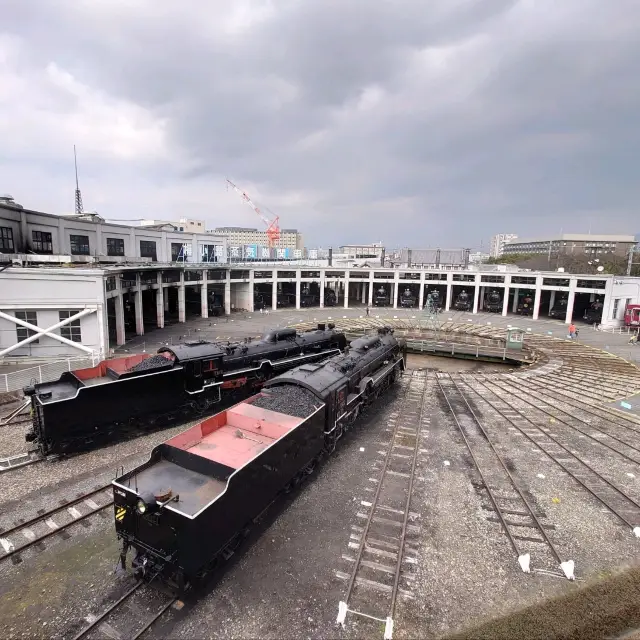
575	237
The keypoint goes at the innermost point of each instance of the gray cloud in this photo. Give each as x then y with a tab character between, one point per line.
414	124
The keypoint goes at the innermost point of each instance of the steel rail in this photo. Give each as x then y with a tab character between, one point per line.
52	532
518	395
506	470
376	497
634	526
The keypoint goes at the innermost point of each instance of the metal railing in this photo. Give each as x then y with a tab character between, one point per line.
47	372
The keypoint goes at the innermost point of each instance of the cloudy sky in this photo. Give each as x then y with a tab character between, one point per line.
416	123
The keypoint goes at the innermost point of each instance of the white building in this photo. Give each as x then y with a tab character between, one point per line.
188	225
49	312
498	241
29	237
247	236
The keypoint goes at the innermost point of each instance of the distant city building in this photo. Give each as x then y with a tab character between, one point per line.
362	251
186	225
497	243
431	258
246	236
478	257
573	244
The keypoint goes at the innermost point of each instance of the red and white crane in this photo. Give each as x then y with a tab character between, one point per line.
273	225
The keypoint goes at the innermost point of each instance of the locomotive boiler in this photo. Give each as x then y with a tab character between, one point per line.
407	299
191	503
525	305
87	406
593	313
493	301
381	297
435	300
559	308
463	301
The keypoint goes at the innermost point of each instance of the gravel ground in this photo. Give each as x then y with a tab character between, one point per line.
285	582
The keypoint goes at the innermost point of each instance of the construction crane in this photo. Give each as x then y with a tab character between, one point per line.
273	225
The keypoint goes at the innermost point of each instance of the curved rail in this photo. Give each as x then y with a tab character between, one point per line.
502	513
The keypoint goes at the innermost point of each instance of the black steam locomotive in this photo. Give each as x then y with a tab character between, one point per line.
190	505
493	301
381	297
463	301
330	298
525	305
436	301
559	309
407	299
593	313
86	406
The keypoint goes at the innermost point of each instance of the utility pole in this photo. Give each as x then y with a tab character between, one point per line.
79	207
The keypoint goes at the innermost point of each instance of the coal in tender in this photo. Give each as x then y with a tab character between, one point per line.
154	362
288	399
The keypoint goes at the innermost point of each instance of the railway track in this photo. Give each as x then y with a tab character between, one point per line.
9	463
518	518
619	503
374	581
128	617
25	535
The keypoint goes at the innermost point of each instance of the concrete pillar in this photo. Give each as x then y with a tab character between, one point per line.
552	299
476	298
182	311
536	298
516	293
274	290
363	292
204	296
160	302
394	289
165	297
447	305
421	295
573	283
505	299
371	289
298	286
120	333
322	277
252	292
227	294
481	301
138	307
346	289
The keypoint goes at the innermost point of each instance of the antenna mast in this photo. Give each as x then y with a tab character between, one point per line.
79	207
273	226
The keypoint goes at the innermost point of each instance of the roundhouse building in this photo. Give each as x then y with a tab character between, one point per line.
66	311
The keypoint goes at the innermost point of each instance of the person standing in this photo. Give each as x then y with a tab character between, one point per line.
367	310
572	331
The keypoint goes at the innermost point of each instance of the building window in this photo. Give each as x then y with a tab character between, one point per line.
115	246
6	240
148	250
22	333
42	242
70	331
79	245
616	304
178	252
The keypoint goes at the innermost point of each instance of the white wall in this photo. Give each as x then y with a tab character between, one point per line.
621	289
48	291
